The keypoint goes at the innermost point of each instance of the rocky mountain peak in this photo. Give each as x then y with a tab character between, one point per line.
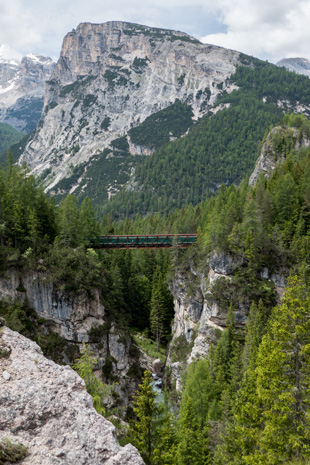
90	48
22	90
298	65
108	80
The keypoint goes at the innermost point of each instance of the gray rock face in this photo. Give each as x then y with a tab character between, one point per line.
46	407
22	90
188	307
269	156
109	78
72	315
298	65
222	263
198	315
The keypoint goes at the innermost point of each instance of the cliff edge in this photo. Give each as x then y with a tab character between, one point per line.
45	407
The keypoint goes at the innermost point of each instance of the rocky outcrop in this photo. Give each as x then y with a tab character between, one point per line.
297	65
45	407
71	315
79	318
270	156
199	314
22	90
109	78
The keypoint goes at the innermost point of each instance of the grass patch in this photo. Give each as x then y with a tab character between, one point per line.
149	347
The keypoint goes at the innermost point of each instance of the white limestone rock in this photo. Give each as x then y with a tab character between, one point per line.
46	407
269	157
72	315
124	72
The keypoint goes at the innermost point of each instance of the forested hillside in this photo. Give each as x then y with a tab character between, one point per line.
220	148
247	401
8	137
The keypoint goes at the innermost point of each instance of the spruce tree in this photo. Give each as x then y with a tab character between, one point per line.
283	381
158	308
143	430
193	445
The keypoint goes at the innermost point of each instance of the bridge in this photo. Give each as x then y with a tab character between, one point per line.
150	241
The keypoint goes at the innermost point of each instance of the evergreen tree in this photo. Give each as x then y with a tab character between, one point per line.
69	221
158	308
88	224
283	380
193	445
144	429
84	367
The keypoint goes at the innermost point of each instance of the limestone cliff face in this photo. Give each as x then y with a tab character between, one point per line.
72	316
109	78
22	90
271	154
199	314
45	407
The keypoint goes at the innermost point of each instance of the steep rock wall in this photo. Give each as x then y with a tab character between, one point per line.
72	316
199	315
109	78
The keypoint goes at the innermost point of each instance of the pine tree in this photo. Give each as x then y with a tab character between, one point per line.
158	308
88	223
254	331
283	380
98	390
69	221
193	445
144	430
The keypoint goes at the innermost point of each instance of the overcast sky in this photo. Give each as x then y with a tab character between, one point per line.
268	29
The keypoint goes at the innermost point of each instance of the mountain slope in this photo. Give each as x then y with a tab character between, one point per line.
298	65
221	148
8	136
121	92
109	79
22	90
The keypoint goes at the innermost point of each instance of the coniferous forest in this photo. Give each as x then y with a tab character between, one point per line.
247	401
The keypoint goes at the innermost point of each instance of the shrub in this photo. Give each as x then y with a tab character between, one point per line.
10	452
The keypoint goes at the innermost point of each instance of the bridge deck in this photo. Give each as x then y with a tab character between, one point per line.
150	241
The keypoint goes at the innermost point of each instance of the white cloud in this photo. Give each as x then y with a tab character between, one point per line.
266	29
15	25
40	25
9	53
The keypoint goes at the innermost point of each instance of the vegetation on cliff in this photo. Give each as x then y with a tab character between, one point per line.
248	401
8	137
219	148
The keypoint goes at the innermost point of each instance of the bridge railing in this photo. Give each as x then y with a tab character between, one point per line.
148	241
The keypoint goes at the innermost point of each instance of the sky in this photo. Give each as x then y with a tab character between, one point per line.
267	29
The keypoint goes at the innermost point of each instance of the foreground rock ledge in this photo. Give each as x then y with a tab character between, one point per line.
46	407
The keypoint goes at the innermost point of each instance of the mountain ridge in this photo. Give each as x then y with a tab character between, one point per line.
298	65
109	78
22	90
